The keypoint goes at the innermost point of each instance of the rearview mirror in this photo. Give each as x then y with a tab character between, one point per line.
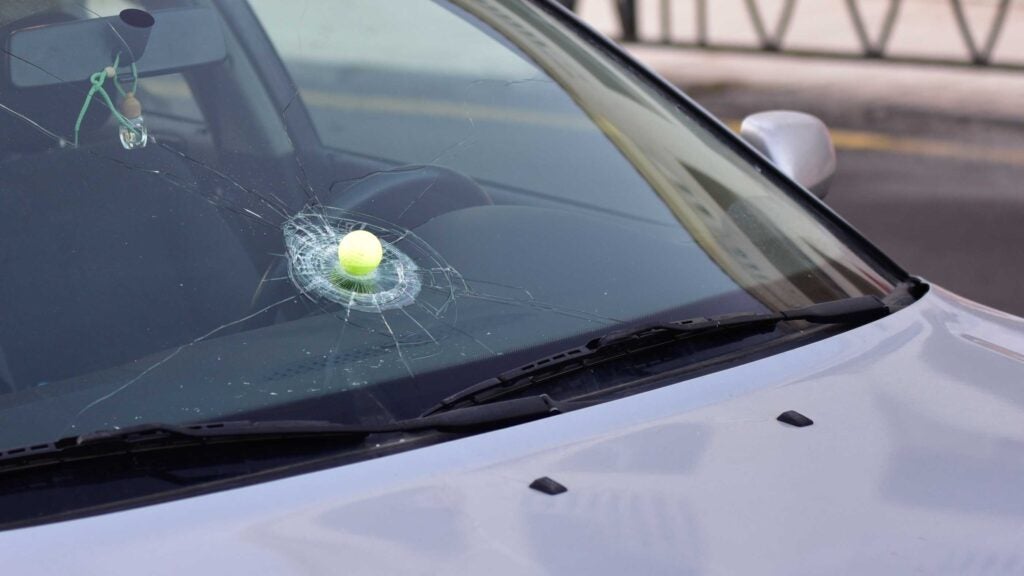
160	42
798	144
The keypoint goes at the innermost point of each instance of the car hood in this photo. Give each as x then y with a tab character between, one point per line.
914	463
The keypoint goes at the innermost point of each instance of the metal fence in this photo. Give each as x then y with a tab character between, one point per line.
977	50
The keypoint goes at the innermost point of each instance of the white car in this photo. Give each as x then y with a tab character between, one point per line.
457	287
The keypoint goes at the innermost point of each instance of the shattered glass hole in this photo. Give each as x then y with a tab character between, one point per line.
311	240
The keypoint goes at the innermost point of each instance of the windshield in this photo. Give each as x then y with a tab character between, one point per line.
172	231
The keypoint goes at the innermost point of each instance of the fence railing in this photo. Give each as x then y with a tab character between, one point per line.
977	49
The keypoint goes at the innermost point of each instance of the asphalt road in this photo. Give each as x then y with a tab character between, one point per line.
957	223
942	194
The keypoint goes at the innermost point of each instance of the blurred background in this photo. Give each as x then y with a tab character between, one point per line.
925	100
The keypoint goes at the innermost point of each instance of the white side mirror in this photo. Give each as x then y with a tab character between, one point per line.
798	144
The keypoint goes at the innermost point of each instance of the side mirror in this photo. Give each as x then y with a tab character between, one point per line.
798	144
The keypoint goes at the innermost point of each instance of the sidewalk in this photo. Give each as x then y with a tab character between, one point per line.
923	27
962	93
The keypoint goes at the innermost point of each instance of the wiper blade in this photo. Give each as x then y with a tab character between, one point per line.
157	436
619	343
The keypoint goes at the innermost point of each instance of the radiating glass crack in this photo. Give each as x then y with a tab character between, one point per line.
171	356
413	308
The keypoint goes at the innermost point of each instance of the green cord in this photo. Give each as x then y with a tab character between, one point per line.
97	81
135	79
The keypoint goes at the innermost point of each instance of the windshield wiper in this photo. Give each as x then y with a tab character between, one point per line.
637	339
156	436
476	408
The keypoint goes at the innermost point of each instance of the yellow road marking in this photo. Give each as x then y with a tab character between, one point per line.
843	139
442	108
878	142
851	140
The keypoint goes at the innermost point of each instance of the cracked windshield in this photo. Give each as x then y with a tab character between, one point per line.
347	211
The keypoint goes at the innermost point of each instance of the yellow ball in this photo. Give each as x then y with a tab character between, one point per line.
360	252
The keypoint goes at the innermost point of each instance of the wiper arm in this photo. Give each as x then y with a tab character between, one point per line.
858	310
156	436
